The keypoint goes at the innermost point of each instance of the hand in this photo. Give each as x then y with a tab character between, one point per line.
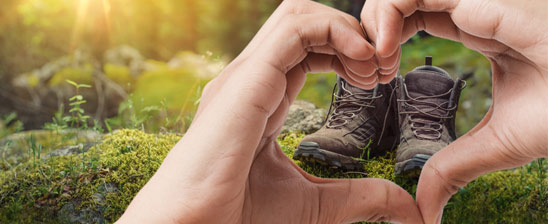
228	167
513	36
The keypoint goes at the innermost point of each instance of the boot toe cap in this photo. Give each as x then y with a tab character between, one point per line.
330	144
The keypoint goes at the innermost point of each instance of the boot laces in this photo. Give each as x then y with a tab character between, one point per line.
426	116
347	106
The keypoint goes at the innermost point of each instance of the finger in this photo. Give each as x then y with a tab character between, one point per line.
368	82
289	9
359	68
325	49
368	18
389	65
295	81
386	75
384	79
440	24
300	32
373	200
389	19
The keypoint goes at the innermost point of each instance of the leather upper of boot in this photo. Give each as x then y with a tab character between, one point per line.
357	117
427	103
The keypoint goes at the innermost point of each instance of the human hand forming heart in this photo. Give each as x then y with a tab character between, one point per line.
228	167
513	35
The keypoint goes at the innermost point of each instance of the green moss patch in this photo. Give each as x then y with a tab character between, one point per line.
31	145
511	196
97	186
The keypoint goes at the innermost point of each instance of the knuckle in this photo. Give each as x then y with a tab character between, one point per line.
208	87
449	182
294	6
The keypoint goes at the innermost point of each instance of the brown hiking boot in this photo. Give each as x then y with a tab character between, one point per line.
358	118
427	103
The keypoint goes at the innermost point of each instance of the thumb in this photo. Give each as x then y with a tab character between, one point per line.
476	153
369	199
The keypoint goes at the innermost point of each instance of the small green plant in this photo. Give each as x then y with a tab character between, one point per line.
366	150
36	153
77	117
78	114
59	122
9	124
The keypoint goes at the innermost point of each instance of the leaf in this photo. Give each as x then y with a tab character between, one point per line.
84	86
72	83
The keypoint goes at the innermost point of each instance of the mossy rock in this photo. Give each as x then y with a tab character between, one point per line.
20	147
96	186
92	187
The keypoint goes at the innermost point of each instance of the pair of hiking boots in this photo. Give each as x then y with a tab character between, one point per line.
414	115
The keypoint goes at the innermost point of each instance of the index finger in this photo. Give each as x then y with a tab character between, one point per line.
389	20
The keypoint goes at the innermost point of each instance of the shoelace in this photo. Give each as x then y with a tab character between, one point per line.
420	124
347	106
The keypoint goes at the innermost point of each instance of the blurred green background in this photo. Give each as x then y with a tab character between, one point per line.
147	61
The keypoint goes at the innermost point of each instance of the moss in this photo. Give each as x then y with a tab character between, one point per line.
17	148
379	167
132	157
97	186
511	196
82	75
118	73
38	191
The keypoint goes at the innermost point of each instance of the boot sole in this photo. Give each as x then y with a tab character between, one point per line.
311	152
412	167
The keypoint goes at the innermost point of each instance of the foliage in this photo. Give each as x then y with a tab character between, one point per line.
45	29
78	118
9	124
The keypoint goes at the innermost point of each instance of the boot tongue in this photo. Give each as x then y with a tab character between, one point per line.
422	83
353	89
430	86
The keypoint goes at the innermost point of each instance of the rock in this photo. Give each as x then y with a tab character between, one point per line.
70	150
304	117
126	56
93	214
202	66
38	94
69	214
17	148
95	187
